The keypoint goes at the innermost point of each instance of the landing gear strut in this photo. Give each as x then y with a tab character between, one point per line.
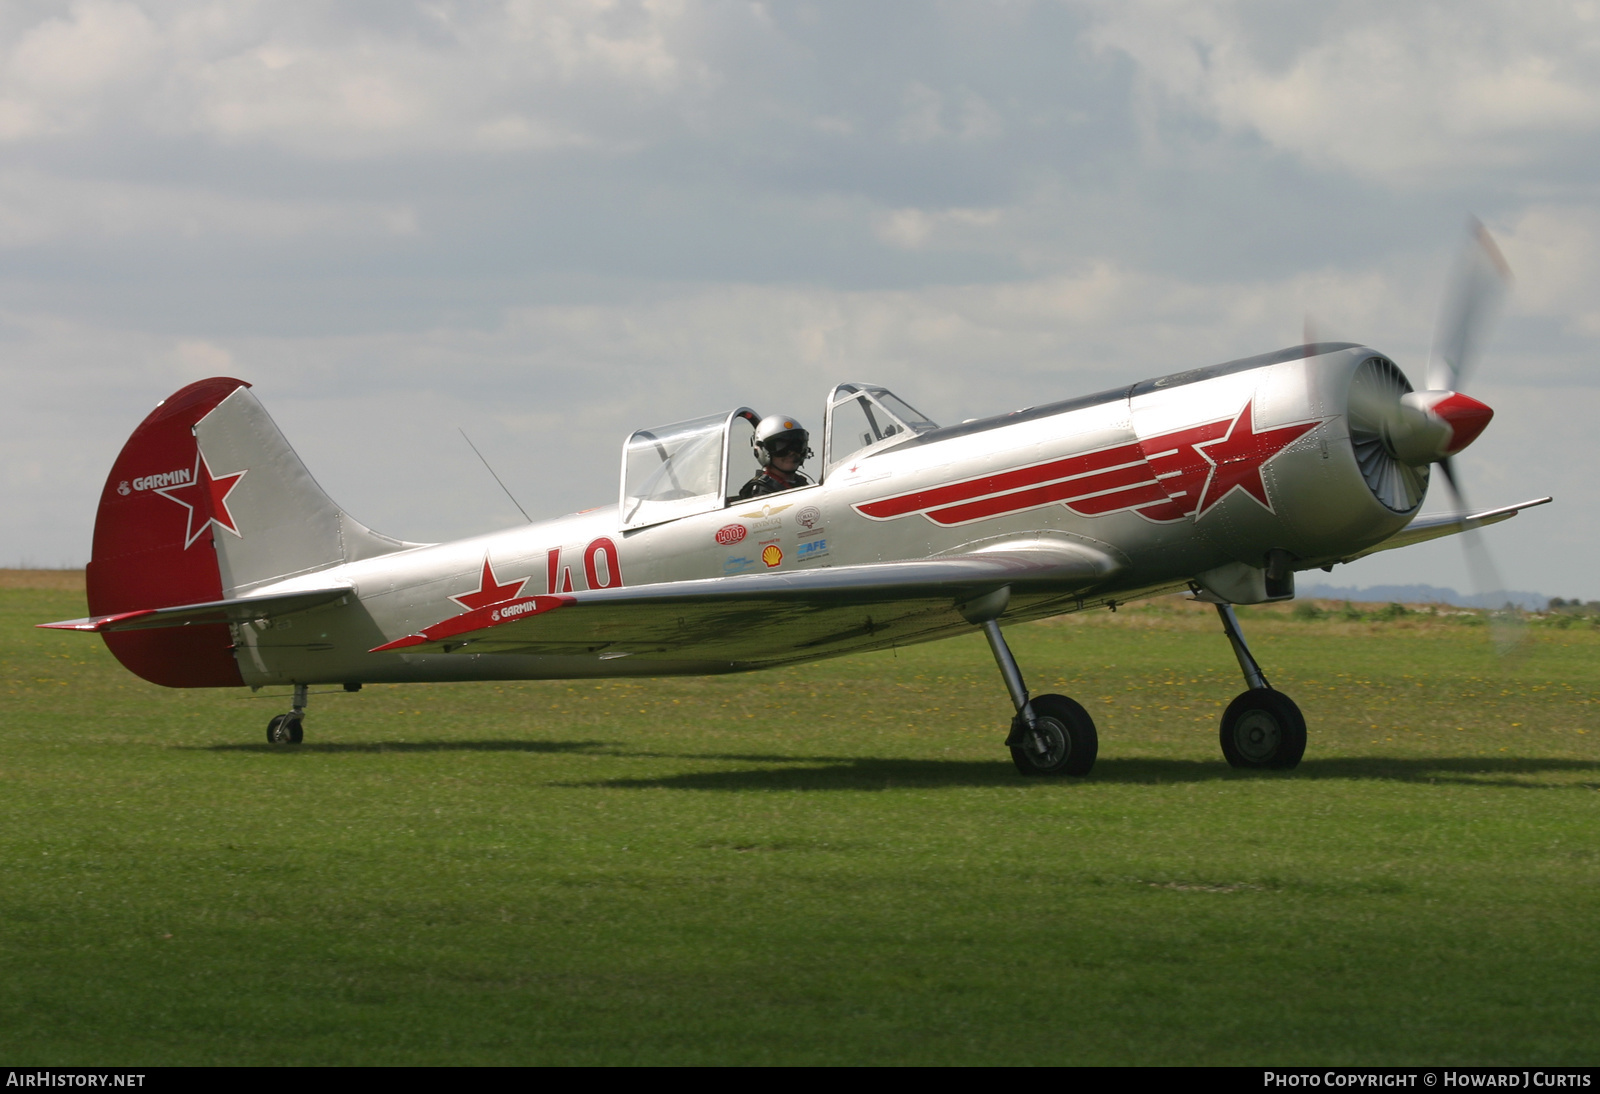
1051	734
1261	727
289	729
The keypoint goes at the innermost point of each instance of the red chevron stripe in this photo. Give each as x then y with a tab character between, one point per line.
1070	467
1119	488
1164	477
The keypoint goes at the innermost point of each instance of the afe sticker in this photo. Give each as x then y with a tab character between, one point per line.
731	534
771	554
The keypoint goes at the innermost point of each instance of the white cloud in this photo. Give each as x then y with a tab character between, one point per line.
1401	93
1555	252
582	375
37	209
912	229
932	115
61	70
319	81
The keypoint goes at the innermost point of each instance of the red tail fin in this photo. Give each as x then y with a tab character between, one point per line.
153	543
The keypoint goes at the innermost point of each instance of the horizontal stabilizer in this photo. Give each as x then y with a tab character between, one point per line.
239	610
1450	524
750	619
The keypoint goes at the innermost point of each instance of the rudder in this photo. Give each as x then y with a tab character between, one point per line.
152	545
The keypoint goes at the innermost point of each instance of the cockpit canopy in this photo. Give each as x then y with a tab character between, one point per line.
677	470
863	419
696	466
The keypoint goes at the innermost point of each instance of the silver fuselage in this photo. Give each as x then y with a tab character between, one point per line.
1320	508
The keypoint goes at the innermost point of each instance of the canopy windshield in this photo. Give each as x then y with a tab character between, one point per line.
676	470
864	417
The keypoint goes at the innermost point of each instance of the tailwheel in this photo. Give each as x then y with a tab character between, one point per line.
1263	728
1062	741
285	729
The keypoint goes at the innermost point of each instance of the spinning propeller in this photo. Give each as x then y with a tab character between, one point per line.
1400	433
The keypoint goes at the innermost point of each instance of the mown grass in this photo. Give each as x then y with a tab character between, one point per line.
828	864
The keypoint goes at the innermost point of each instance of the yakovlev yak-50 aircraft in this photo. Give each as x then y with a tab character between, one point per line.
219	562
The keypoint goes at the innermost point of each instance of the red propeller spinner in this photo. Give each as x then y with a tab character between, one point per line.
1434	425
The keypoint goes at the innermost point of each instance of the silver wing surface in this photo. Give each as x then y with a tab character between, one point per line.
766	619
1420	531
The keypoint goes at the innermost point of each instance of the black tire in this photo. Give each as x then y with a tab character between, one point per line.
1070	733
1263	729
285	729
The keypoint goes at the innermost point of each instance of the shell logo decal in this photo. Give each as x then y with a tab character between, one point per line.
771	554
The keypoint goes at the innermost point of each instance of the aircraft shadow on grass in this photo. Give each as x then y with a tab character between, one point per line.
590	747
326	748
799	772
848	773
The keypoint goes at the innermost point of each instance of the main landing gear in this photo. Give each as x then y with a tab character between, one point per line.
1051	734
289	729
1261	727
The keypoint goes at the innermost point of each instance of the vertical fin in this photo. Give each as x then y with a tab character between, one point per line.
281	522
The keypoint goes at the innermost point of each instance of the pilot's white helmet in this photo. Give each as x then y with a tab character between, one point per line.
778	435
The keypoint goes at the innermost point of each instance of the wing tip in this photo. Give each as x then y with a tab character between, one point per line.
95	624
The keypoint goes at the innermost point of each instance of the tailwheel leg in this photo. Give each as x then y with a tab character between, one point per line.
1051	734
1262	727
289	729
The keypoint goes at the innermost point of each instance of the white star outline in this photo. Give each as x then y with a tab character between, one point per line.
191	533
487	577
1206	502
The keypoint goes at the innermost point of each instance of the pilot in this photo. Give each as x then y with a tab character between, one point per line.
780	445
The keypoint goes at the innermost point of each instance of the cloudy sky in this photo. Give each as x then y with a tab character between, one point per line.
550	222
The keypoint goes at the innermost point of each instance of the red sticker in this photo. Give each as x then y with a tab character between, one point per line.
730	535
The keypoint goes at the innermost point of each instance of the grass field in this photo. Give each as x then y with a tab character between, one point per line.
828	864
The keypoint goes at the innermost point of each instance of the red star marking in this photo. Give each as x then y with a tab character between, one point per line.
489	590
1237	458
214	491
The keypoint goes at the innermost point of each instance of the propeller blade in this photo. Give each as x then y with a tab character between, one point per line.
1471	304
1506	628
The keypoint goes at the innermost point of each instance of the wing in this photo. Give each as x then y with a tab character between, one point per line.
238	610
1420	531
763	619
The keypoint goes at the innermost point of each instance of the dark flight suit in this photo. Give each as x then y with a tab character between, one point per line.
769	480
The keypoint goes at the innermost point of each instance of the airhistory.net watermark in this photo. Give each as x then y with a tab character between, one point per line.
47	1078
